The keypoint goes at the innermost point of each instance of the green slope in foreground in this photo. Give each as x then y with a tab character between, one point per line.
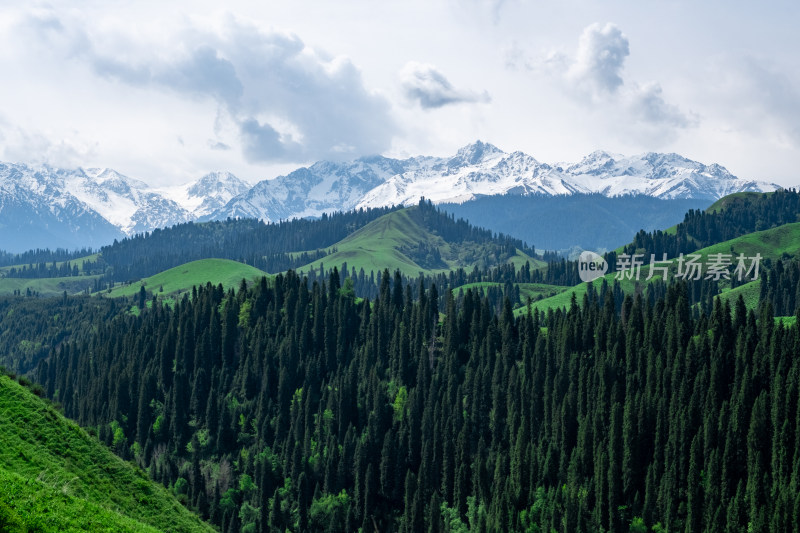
771	244
385	242
182	278
55	477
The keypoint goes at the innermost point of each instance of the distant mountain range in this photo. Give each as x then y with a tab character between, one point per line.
52	207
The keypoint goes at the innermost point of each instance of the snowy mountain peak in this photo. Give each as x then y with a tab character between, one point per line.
598	162
475	153
110	178
115	204
481	169
200	198
218	183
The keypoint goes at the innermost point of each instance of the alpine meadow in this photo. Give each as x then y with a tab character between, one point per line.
257	273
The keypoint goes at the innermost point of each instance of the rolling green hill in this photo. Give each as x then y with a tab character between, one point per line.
771	244
56	477
393	241
47	286
182	278
526	290
79	262
750	292
732	199
738	199
414	240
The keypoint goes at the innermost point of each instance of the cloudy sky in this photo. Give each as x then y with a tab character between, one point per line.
167	91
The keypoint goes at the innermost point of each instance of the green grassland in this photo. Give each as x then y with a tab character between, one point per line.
47	286
182	278
79	262
526	290
385	242
722	203
772	244
561	299
750	292
391	242
56	477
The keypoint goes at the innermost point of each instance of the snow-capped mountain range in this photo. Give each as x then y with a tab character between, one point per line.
97	205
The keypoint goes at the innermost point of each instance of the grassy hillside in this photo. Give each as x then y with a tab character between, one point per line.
750	292
389	241
182	278
407	240
771	244
56	477
526	290
79	262
47	286
732	199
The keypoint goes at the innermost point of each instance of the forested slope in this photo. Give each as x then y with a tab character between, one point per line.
284	406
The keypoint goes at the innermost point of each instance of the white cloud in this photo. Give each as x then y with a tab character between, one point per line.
288	102
756	97
491	7
18	144
594	78
126	80
426	85
598	64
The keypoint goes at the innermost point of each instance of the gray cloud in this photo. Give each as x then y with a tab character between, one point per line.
646	102
288	102
204	72
218	145
427	86
261	142
767	99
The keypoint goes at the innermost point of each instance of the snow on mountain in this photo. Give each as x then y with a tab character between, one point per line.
481	169
122	205
204	196
308	192
127	203
97	205
478	169
37	212
659	175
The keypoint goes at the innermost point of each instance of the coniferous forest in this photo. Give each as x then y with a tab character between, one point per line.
294	406
478	266
345	400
